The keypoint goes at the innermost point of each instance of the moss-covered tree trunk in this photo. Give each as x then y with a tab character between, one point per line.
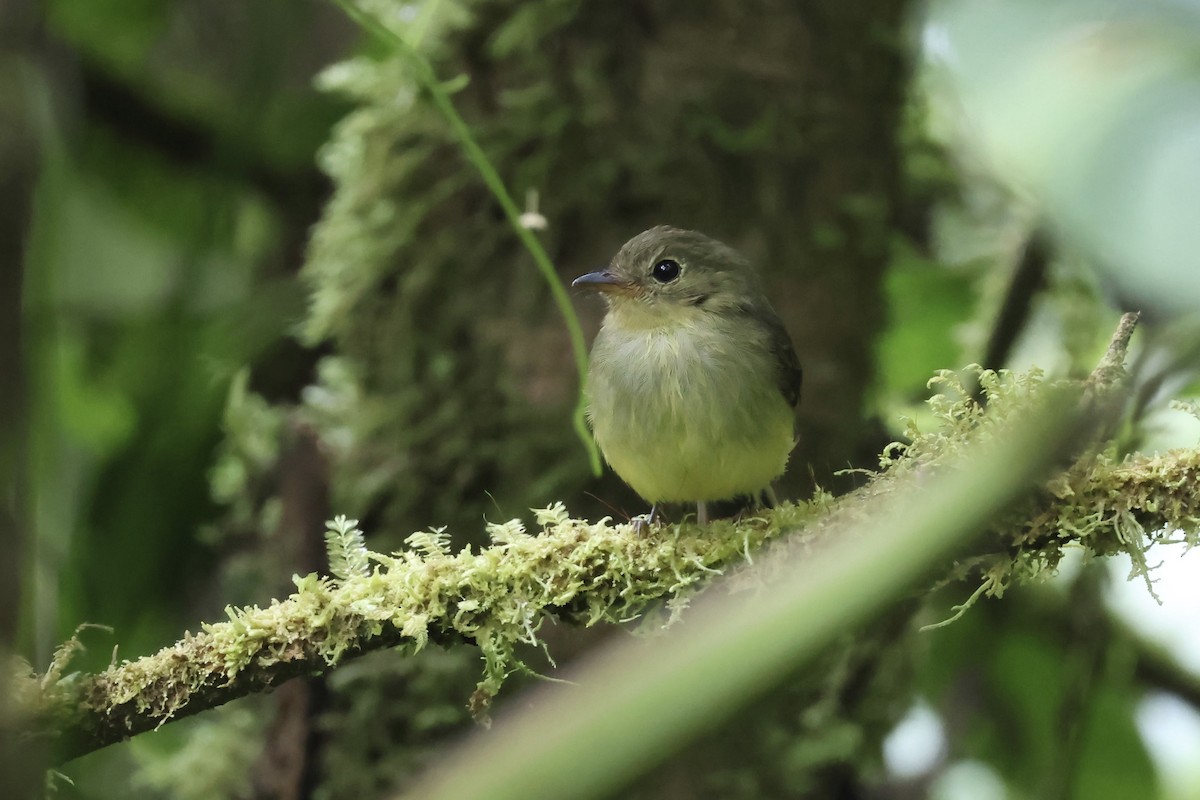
771	125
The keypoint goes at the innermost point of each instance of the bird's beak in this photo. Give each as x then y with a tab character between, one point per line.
603	281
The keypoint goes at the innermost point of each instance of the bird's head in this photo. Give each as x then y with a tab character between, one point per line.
666	273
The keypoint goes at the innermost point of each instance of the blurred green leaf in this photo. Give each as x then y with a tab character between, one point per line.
1114	762
119	32
1094	108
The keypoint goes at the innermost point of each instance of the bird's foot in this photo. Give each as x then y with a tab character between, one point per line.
736	509
641	524
756	504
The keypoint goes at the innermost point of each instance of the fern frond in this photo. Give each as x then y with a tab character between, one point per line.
348	557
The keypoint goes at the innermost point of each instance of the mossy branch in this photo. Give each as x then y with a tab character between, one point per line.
496	598
589	572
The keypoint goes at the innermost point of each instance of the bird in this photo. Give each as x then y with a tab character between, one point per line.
693	381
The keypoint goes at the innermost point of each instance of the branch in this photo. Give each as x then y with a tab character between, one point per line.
1028	279
632	703
496	598
596	572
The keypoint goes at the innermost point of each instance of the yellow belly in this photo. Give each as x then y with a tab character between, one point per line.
682	417
697	468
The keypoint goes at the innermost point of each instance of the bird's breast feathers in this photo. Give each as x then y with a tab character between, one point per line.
691	411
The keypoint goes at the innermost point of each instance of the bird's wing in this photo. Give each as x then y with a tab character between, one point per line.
788	373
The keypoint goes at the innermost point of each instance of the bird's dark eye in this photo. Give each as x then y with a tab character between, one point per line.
666	270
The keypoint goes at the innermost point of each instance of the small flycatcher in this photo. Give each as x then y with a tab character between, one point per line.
693	380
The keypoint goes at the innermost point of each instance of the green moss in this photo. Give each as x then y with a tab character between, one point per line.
496	597
1101	503
601	572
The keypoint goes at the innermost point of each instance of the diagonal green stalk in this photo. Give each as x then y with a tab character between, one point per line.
491	178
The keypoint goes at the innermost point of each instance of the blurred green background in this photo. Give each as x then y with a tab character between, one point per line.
250	281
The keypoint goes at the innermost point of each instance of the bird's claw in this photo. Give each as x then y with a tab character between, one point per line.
642	523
